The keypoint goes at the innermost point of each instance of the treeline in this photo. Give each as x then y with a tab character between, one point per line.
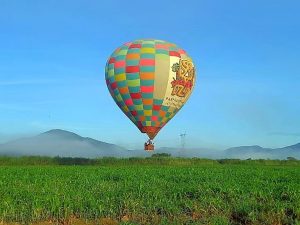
156	159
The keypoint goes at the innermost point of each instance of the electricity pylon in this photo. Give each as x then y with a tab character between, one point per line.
182	137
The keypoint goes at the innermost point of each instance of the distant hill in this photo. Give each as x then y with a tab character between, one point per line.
67	144
62	143
241	152
257	152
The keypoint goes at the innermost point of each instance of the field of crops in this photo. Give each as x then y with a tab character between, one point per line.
150	194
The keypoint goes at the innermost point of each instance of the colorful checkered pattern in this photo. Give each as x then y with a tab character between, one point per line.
130	76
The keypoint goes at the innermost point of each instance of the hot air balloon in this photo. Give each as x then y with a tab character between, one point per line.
150	80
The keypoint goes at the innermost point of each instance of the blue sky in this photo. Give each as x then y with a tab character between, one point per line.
53	53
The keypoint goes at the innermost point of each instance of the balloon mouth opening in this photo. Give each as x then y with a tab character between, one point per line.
150	131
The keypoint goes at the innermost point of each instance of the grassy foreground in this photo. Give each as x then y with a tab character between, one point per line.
151	191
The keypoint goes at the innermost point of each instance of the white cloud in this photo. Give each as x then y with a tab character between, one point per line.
25	82
42	125
294	134
12	107
48	81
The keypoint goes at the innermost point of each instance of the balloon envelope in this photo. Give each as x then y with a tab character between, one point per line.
150	80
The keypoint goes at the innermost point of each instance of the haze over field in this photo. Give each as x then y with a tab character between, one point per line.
67	144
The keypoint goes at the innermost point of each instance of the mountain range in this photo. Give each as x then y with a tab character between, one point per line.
67	144
62	143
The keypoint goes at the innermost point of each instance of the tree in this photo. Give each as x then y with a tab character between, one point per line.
161	155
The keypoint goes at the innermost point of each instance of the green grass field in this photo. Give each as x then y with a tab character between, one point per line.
151	191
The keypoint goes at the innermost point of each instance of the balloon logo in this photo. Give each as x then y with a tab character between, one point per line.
150	81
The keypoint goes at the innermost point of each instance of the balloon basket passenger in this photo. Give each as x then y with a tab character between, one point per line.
149	145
